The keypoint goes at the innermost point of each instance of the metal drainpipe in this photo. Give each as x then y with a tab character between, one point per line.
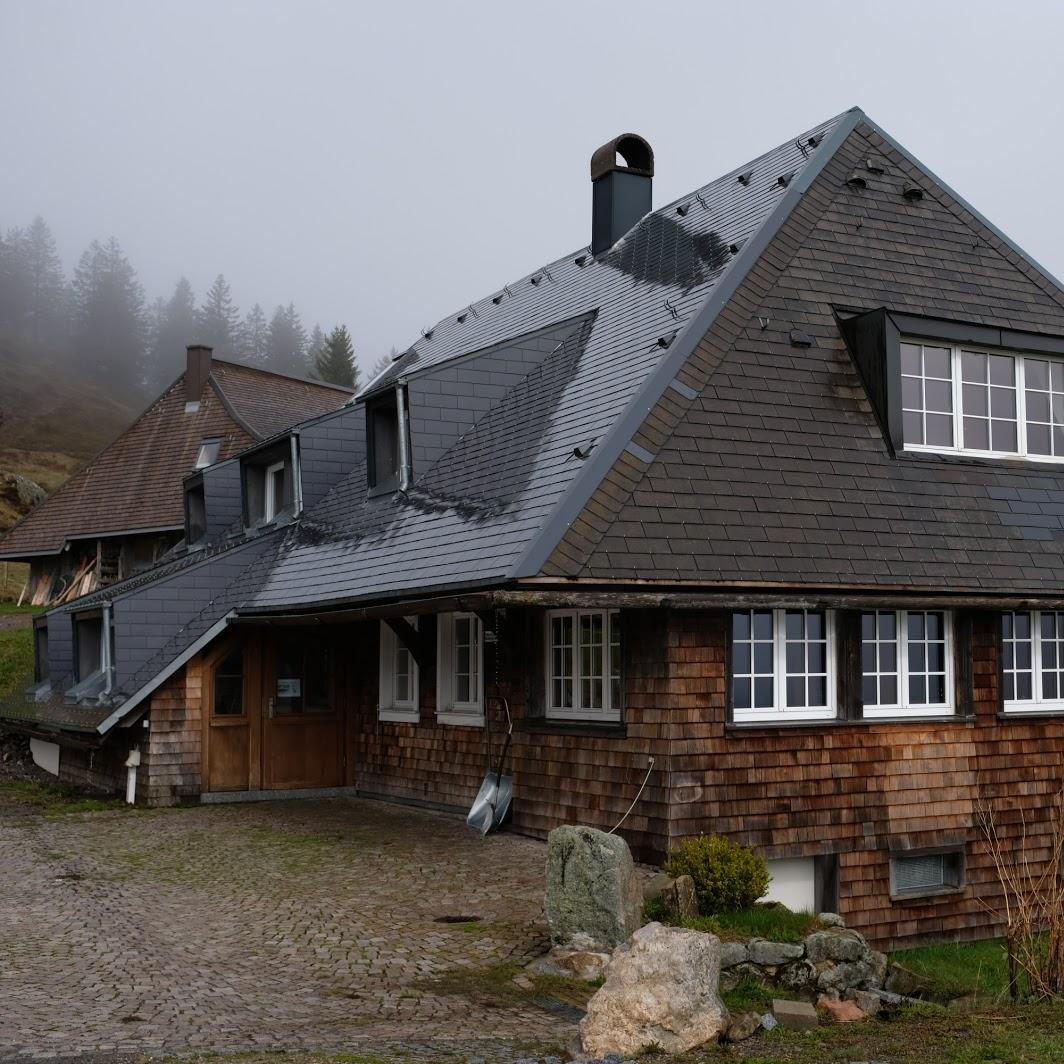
297	478
105	650
405	472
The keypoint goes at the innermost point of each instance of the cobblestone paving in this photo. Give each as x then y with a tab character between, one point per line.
304	925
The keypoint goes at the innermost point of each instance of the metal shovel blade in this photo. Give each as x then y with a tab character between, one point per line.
491	804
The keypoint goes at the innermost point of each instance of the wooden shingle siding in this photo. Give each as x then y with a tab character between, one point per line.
172	753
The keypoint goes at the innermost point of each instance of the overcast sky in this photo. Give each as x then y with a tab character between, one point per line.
383	164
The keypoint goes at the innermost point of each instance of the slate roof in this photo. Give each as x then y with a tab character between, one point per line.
474	510
135	483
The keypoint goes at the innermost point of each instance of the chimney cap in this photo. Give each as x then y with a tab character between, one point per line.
636	152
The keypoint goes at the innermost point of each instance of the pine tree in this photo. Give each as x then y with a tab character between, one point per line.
109	305
287	342
255	337
381	365
219	320
335	362
14	283
43	271
177	327
315	346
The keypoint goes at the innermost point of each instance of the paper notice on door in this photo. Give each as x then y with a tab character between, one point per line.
288	687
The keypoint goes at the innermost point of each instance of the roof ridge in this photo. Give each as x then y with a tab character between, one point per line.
619	436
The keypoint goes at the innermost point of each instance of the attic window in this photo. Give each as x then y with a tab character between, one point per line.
40	653
93	653
269	485
195	514
387	441
208	453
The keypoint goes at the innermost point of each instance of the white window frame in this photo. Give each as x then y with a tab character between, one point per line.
1035	704
901	650
388	707
448	709
609	712
779	712
1020	358
271	505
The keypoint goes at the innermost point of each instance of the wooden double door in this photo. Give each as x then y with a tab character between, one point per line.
272	715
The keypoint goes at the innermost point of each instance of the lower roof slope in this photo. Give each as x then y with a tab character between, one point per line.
135	483
471	516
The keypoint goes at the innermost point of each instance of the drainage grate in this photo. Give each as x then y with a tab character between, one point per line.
457	920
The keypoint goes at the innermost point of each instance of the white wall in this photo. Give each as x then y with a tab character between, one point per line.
792	883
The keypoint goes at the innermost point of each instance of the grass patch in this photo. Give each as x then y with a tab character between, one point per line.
958	968
16	660
494	987
774	922
53	799
749	995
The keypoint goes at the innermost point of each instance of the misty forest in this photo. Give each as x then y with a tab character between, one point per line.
99	322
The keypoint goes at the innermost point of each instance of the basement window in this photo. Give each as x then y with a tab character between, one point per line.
1032	661
584	665
460	671
920	874
782	665
398	693
906	663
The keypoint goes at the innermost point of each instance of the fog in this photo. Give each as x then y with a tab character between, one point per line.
381	165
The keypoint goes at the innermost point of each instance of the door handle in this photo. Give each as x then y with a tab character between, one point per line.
269	708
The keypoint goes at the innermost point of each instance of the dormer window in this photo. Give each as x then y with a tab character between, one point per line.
208	453
269	485
957	389
93	653
387	441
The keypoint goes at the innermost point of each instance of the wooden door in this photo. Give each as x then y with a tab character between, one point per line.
230	683
302	737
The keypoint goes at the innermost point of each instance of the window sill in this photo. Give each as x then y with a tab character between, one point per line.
1035	713
461	720
835	722
399	716
917	896
606	729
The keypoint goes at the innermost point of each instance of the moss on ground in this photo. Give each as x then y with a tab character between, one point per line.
53	799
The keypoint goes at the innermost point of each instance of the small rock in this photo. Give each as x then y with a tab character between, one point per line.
795	1015
733	953
524	982
830	920
743	1026
657	885
683	903
902	981
835	944
769	1022
797	976
839	1011
971	1002
867	1001
774	953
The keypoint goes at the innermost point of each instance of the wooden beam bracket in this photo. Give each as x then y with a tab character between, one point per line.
417	642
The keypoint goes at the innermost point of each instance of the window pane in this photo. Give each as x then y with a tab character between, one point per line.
1003	370
977	434
939	430
1003	436
973	367
1036	373
937	362
910	359
939	396
1038	439
1016	656
763	693
975	401
229	686
913	427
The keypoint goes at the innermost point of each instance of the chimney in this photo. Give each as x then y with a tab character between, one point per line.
621	194
197	371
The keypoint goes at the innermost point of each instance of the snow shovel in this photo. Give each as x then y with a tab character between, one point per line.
492	802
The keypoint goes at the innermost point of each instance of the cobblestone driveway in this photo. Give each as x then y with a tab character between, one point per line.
298	925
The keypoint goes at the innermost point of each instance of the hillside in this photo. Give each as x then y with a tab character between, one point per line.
53	418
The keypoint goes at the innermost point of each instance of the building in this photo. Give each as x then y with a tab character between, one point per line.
125	510
752	512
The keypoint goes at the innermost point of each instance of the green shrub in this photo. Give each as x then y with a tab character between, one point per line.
728	877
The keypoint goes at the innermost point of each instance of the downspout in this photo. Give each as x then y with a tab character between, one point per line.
132	763
405	471
105	650
297	476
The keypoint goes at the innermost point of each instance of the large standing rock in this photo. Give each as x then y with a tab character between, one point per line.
592	888
660	989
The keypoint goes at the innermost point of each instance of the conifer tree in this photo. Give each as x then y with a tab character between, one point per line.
335	362
43	273
255	337
287	342
110	323
219	320
177	327
315	346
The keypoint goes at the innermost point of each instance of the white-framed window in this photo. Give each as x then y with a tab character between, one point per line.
964	399
907	663
783	665
460	669
1032	665
398	678
208	453
273	491
915	875
583	665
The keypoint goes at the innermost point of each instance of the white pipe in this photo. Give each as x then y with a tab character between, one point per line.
131	774
405	470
